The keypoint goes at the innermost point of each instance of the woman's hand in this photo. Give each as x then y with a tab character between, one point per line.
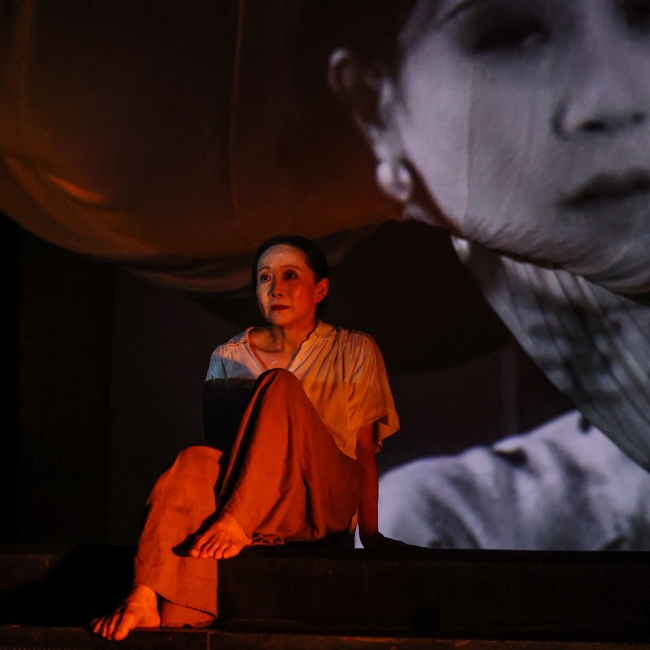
377	540
368	517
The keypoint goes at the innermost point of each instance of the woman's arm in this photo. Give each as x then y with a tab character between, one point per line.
368	515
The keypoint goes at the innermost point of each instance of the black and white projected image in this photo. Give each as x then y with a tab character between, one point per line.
526	122
523	128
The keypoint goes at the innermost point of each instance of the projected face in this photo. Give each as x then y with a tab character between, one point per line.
528	123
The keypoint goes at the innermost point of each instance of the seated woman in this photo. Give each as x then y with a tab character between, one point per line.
300	465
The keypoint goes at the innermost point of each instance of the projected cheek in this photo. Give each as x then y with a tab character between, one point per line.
528	123
476	111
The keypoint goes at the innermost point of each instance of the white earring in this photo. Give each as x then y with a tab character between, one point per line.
395	179
462	247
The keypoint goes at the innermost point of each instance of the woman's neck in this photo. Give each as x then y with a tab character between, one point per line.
276	346
289	338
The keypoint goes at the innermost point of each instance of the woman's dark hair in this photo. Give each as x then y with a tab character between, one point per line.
314	256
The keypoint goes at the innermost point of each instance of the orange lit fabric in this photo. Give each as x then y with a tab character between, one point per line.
284	480
172	141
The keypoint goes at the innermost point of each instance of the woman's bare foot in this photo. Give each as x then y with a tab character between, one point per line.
224	539
140	609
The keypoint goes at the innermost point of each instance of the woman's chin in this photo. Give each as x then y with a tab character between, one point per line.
279	318
289	319
622	266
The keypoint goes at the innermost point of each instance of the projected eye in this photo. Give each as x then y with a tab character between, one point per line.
488	29
636	14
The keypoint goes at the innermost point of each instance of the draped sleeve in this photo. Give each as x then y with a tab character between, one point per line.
369	396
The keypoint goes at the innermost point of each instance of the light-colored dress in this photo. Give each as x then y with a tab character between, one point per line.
341	371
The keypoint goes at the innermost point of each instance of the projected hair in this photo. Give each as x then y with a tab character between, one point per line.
370	29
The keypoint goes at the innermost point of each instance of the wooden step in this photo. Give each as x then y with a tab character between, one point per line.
396	593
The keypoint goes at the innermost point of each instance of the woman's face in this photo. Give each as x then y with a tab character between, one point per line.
287	290
529	123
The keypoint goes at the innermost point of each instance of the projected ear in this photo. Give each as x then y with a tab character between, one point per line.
357	90
370	97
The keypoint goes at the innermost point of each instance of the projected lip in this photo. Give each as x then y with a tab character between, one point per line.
609	188
278	307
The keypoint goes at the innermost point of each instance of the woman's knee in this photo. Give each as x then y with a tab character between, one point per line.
280	375
281	393
280	379
193	466
198	456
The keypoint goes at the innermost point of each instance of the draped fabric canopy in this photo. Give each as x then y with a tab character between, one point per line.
161	135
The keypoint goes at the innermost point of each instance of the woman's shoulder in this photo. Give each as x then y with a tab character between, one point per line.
232	359
349	339
232	346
